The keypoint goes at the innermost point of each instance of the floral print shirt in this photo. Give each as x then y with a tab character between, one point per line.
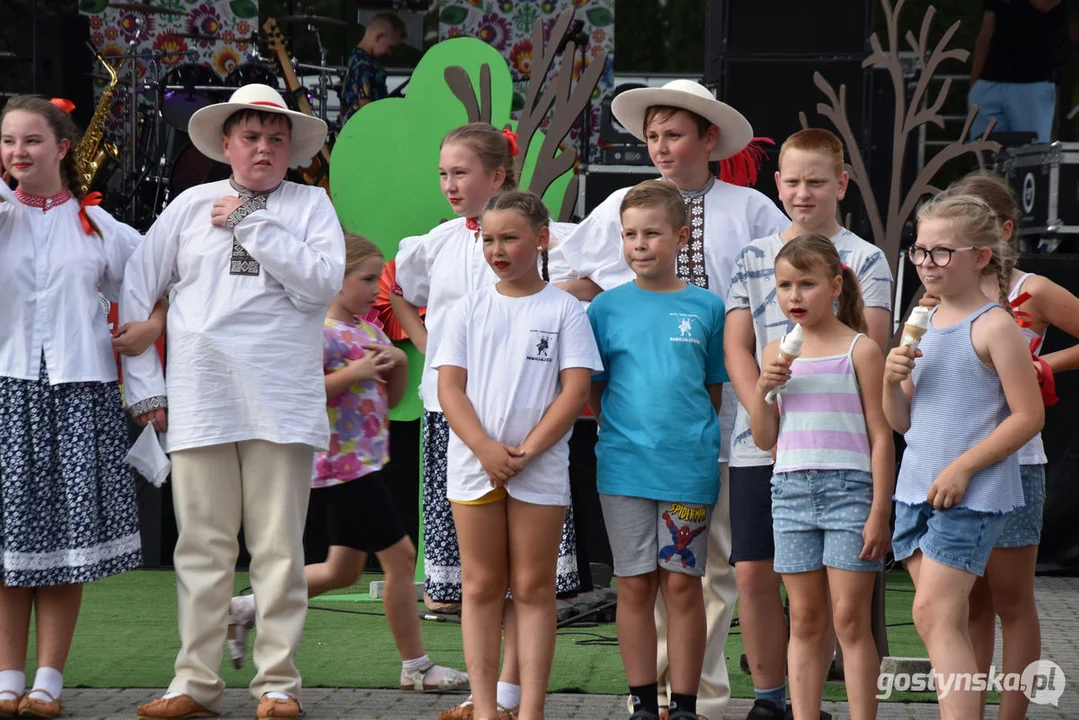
359	417
366	80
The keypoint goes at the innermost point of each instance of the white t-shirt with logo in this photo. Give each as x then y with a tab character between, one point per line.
514	349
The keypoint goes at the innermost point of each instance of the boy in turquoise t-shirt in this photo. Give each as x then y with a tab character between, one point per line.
657	403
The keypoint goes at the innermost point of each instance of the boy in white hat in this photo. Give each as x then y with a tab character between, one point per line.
253	262
685	128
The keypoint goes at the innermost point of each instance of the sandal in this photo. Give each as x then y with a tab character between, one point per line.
464	711
34	708
417	679
9	708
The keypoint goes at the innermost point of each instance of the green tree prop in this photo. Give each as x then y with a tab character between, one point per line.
382	172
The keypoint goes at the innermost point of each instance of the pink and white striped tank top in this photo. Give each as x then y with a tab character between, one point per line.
821	420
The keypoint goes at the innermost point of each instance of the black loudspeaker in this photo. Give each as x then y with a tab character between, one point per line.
58	64
796	27
784	28
610	131
771	92
601	180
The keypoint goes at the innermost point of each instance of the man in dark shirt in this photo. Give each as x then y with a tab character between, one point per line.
1014	71
366	79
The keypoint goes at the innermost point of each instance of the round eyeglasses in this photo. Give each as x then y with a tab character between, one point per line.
940	256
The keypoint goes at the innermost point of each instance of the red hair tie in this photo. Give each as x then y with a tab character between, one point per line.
511	138
63	105
93	198
1022	317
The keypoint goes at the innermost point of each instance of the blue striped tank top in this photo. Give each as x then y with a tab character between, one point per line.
821	419
957	402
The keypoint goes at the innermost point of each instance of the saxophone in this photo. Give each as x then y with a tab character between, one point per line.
94	152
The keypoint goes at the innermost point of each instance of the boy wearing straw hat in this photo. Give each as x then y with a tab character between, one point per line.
685	128
253	263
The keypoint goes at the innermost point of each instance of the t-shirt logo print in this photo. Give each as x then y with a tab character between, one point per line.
684	323
541	345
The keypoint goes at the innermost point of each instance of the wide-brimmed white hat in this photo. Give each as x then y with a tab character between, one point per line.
205	126
735	132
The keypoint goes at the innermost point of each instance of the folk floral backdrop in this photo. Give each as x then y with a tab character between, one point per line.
224	26
506	25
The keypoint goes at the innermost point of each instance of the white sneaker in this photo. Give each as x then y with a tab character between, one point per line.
241	620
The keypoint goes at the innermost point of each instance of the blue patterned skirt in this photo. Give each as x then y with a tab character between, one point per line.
67	498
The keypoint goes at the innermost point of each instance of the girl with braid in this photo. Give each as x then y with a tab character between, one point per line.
476	162
966	400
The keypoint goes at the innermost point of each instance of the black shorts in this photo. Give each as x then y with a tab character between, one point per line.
751	514
358	514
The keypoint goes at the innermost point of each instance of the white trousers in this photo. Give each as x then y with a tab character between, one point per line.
265	487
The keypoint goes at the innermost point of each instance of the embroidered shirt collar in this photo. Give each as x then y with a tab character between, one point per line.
245	193
44	203
472	223
699	192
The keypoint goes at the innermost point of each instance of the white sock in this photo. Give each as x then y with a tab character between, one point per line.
246	606
415	664
277	695
12	681
509	695
51	681
171	694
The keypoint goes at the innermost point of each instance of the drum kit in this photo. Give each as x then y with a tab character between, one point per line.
158	160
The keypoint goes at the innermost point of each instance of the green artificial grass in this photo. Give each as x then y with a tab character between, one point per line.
126	637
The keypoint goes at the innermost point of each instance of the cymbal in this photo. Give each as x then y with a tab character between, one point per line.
145	8
311	20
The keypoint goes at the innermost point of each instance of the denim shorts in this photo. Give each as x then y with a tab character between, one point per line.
817	520
957	537
1024	526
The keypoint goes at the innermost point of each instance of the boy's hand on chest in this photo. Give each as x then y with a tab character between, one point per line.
222	208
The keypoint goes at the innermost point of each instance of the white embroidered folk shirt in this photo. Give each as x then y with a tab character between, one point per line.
51	271
244	331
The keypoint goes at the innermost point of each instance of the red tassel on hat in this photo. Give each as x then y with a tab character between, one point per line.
743	168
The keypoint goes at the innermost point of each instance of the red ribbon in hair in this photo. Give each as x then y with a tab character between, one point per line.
511	138
743	168
63	104
1046	382
93	198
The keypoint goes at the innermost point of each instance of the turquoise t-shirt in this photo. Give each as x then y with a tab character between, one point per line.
659	434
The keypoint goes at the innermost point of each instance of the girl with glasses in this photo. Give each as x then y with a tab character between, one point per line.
966	400
1007	588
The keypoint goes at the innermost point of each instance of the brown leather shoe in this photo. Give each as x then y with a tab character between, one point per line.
34	708
9	703
278	708
179	707
466	712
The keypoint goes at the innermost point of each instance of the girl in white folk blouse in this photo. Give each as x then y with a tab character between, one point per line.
68	497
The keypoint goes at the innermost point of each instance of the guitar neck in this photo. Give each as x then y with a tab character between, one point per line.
292	83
